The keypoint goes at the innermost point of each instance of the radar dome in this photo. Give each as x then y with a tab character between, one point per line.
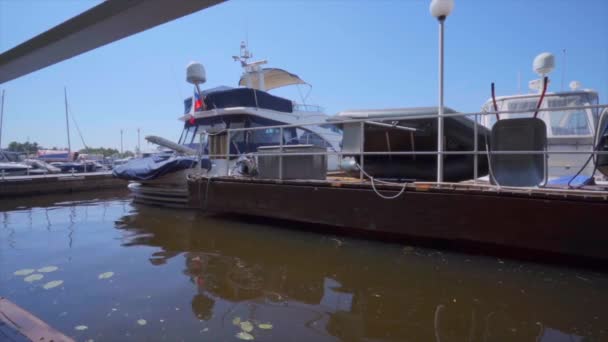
544	63
195	73
575	85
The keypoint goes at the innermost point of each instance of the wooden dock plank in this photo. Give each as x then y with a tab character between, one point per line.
44	184
25	325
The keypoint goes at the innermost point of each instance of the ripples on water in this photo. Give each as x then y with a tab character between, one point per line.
179	275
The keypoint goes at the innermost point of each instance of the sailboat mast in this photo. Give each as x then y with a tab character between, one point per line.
67	122
1	118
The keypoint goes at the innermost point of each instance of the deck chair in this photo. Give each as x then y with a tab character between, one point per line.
522	134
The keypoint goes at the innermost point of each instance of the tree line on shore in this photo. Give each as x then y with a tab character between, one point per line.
33	148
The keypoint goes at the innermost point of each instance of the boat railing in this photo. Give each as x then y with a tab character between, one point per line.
300	107
473	116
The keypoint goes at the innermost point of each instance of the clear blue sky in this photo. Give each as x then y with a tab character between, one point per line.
356	54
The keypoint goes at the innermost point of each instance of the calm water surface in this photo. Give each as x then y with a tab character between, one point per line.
194	278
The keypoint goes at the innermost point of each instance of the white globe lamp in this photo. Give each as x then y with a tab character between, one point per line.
440	9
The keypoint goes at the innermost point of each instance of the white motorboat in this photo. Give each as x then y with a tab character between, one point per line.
572	123
210	112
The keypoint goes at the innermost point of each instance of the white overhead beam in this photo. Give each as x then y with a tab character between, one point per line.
103	24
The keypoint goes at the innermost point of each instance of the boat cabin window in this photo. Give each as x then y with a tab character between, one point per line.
188	135
509	105
568	122
269	136
574	122
311	138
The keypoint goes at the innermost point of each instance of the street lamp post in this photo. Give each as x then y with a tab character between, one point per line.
440	9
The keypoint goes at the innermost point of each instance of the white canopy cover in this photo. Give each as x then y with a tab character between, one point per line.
273	78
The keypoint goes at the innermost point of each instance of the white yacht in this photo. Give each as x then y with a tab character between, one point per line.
575	129
210	112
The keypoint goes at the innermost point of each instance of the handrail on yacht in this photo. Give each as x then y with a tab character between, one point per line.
307	108
366	120
421	116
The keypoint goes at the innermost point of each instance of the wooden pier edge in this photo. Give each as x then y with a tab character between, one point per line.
17	324
545	226
17	186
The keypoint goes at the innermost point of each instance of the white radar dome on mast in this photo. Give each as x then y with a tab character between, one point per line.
195	73
544	64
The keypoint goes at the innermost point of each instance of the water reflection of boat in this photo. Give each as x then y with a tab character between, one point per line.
355	290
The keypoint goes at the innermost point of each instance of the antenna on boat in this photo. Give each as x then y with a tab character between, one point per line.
1	118
67	121
563	69
251	69
519	82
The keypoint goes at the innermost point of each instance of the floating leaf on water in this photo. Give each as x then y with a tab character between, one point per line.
236	320
265	326
52	284
81	327
244	336
246	326
48	269
142	322
24	272
106	275
33	277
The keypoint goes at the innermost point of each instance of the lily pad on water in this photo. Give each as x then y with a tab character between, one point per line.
48	269
236	320
33	277
244	336
52	284
81	327
246	326
24	272
142	322
265	326
106	275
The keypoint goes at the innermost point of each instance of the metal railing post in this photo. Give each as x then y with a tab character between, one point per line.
281	154
361	151
227	152
475	149
200	153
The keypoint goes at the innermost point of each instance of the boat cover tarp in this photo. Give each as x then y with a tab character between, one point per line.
152	167
246	97
573	181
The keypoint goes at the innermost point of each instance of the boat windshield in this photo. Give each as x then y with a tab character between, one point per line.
188	135
569	122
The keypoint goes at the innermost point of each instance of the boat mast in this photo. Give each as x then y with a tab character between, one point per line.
250	69
1	118
67	122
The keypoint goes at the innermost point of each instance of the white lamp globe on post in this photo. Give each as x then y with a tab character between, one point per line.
440	9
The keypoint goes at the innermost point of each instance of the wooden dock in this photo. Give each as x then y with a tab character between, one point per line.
552	224
58	183
18	325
